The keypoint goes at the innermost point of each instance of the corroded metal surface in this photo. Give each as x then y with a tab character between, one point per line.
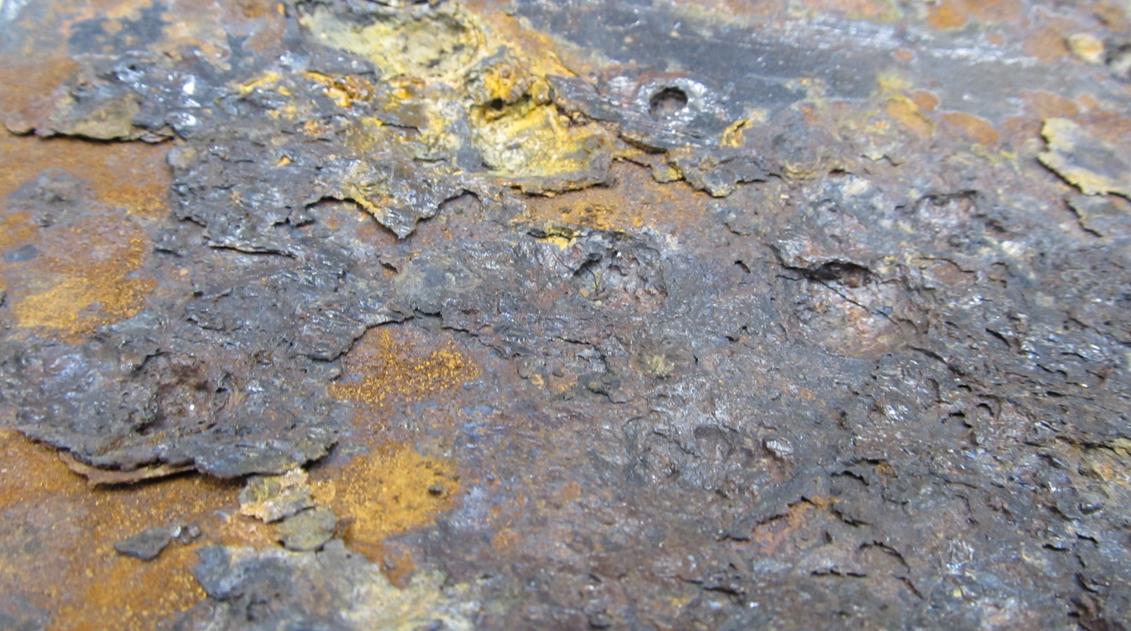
353	314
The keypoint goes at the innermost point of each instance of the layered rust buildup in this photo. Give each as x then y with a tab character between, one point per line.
633	314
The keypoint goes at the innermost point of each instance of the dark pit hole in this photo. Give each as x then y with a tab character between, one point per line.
667	102
496	104
843	272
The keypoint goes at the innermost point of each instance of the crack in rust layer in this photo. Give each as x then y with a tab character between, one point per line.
640	314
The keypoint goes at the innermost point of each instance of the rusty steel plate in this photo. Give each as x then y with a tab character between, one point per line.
627	314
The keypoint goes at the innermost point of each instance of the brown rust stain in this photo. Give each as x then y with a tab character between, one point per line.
86	274
908	114
770	537
954	14
384	369
638	200
391	490
1047	43
972	127
89	282
924	100
132	176
57	546
27	88
1048	105
873	10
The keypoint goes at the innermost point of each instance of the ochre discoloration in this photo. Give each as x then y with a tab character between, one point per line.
434	46
130	176
973	127
1046	105
1048	43
391	490
640	201
873	10
907	113
87	287
519	131
344	90
87	273
450	63
593	471
954	14
68	565
382	369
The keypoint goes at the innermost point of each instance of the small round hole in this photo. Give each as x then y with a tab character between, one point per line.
667	102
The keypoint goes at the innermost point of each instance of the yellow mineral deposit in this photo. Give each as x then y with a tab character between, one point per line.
495	78
432	44
519	130
1089	162
344	90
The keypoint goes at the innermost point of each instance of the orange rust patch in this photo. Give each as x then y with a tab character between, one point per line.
1114	16
399	568
637	201
546	54
505	541
382	369
973	127
995	10
907	113
856	9
925	101
389	491
1088	102
89	284
57	547
568	494
254	8
948	14
1111	126
27	88
133	176
771	536
84	277
954	14
15	229
1048	43
1048	105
